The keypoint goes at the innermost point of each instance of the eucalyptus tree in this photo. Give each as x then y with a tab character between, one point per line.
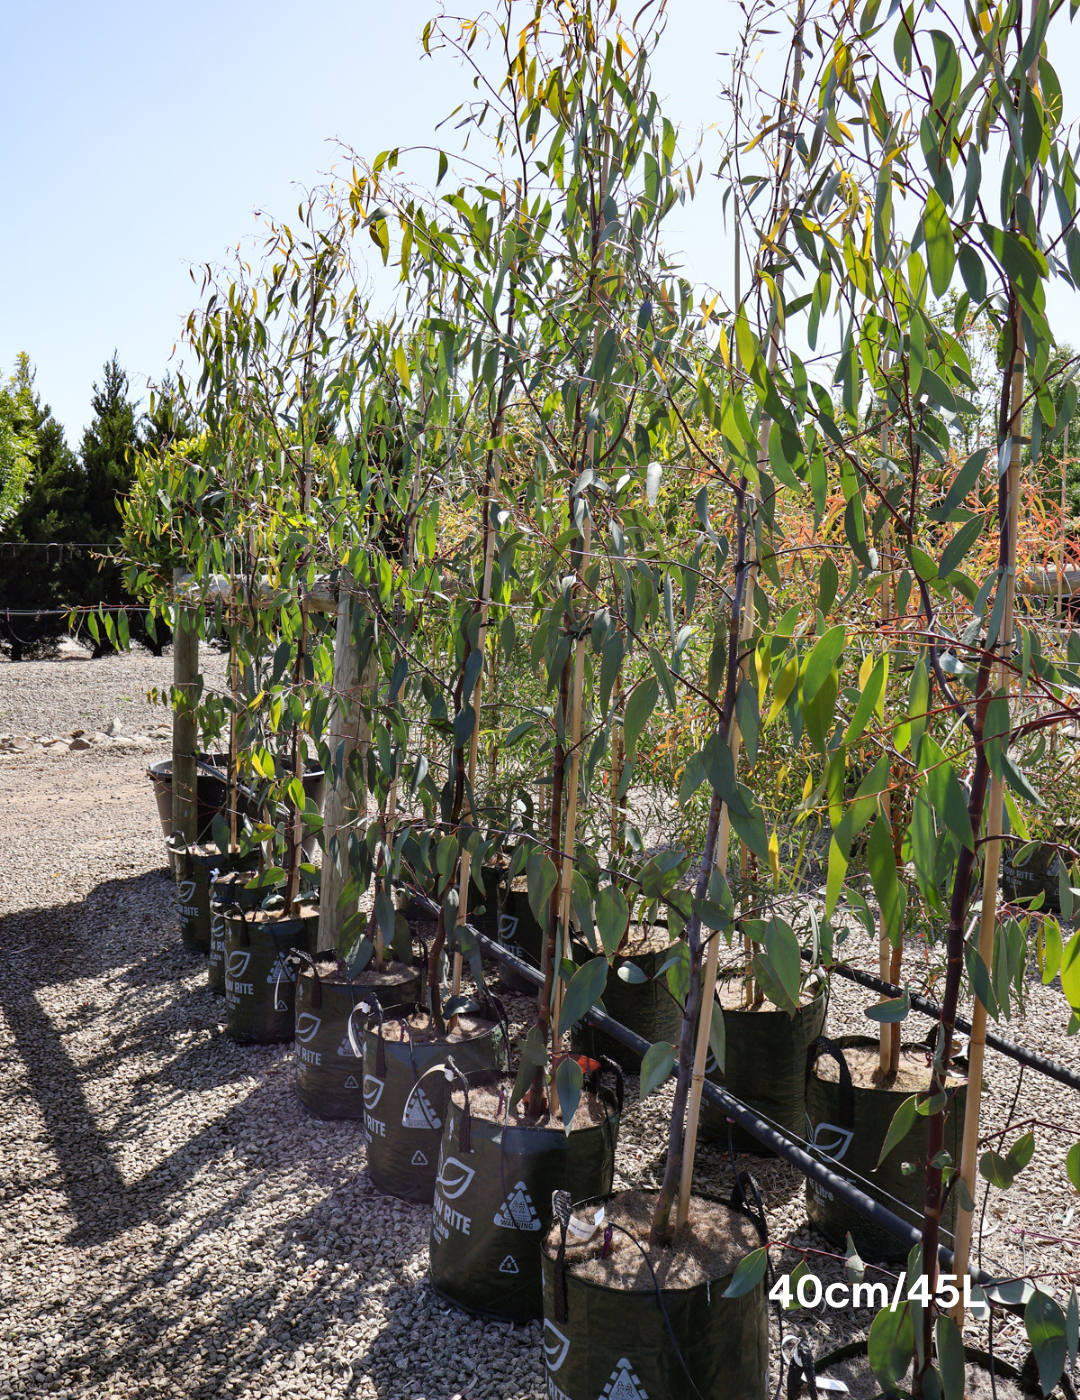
257	505
966	176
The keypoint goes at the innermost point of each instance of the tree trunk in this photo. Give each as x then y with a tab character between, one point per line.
347	730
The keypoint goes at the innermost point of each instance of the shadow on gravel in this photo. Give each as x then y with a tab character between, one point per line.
54	947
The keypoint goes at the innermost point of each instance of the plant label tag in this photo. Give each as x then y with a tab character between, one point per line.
582	1228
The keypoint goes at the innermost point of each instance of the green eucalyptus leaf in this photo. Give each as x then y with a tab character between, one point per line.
612	918
584	991
748	1274
568	1085
903	1120
656	1065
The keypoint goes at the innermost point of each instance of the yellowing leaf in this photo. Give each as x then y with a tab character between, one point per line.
401	364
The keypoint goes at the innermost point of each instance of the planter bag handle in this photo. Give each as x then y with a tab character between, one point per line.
299	956
494	1010
465	1131
738	1200
620	1087
846	1097
561	1206
406	1031
798	1354
371	1006
451	1071
609	1127
294	957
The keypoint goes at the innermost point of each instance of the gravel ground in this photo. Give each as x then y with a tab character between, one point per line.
172	1224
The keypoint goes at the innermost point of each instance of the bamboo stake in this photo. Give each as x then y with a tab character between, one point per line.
491	486
1061	548
886	1033
614	839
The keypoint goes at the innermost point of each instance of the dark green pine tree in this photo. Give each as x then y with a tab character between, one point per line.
71	499
108	450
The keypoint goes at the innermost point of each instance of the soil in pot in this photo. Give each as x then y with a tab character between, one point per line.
849	1127
198	868
605	1333
645	1007
260	981
765	1063
329	1077
520	933
404	1117
497	1171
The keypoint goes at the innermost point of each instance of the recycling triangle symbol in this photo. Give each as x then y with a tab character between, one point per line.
345	1048
351	1083
517	1211
418	1159
509	1265
419	1112
281	969
623	1384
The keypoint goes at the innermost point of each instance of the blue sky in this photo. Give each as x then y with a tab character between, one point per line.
141	139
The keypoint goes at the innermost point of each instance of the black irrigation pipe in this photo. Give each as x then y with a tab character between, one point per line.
739	1113
1050	1068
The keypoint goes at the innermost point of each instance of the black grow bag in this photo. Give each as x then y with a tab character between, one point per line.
211	792
329	1074
605	1343
197	869
260	981
1037	875
228	893
492	1204
646	1008
765	1067
520	933
847	1126
404	1118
